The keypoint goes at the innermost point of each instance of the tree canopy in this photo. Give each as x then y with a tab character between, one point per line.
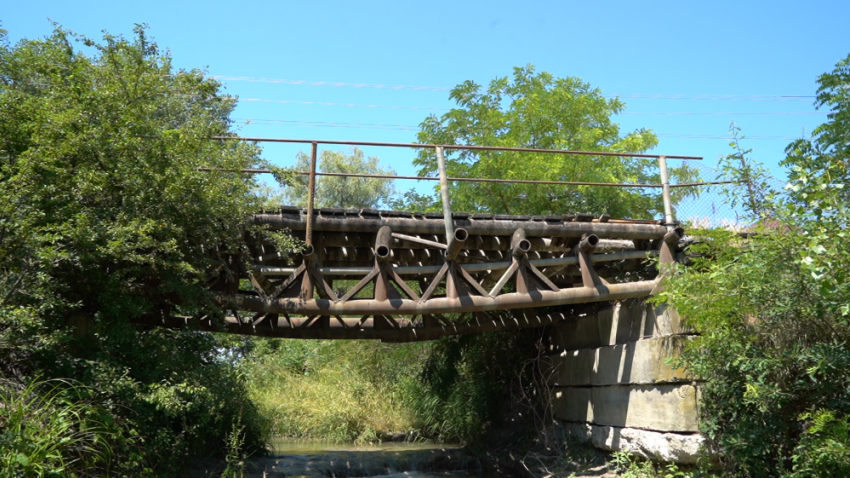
344	192
537	110
104	217
772	310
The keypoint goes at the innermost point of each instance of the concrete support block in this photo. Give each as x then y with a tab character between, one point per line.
572	404
670	408
640	362
572	367
625	322
579	333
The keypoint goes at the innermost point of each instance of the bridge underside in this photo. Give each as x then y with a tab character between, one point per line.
397	277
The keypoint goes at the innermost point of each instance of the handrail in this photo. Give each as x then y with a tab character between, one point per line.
453	146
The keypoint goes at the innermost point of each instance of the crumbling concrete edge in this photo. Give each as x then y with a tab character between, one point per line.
683	448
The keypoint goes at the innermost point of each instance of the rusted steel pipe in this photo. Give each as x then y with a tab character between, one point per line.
308	253
668	245
443	305
383	240
519	244
311	193
588	244
478	180
283	328
456	243
674	235
669	218
448	146
444	194
496	227
472	268
430	178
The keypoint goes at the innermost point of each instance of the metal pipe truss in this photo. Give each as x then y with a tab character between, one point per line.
395	277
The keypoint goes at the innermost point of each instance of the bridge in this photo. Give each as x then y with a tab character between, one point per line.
401	276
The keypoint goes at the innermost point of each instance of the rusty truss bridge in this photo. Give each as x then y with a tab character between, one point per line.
401	276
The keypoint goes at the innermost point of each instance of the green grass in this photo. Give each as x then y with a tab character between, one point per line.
343	391
48	428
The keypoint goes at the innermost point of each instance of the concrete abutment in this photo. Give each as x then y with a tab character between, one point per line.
613	385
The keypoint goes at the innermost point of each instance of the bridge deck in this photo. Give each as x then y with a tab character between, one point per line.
394	276
401	276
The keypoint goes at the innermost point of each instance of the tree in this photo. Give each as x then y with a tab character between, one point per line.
342	192
104	217
772	310
536	110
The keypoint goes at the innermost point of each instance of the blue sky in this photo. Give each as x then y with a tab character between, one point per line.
704	51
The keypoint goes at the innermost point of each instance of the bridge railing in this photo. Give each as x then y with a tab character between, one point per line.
400	276
664	185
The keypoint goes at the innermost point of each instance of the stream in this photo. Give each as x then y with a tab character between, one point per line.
298	458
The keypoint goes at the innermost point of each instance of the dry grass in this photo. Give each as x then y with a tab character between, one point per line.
333	398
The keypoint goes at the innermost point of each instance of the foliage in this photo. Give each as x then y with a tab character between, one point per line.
754	178
468	390
341	391
824	449
104	217
536	110
342	192
236	456
773	315
53	428
632	466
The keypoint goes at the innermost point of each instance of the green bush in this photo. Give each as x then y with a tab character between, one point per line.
772	310
473	386
53	428
105	218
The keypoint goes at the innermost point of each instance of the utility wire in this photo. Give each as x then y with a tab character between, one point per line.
407	127
443	88
397	107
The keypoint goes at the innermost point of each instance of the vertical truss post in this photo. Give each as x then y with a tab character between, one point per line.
311	194
584	250
668	245
451	283
307	283
519	248
383	241
669	217
444	192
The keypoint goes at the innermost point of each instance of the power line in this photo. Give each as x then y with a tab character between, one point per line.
330	124
445	88
348	105
329	83
407	127
778	113
685	113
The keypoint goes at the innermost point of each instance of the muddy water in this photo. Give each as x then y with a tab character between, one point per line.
396	460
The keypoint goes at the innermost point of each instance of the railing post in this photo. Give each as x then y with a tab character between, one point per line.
311	193
669	217
444	192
